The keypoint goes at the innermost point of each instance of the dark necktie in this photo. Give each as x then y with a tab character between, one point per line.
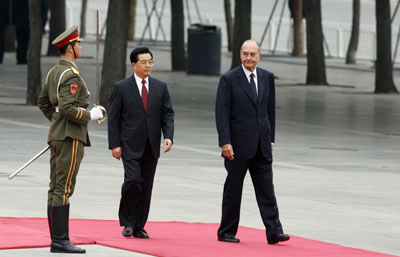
144	94
253	85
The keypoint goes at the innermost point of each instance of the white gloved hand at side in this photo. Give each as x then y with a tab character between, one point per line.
96	113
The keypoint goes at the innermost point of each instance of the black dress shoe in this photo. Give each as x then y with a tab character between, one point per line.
228	238
65	246
140	233
127	232
274	239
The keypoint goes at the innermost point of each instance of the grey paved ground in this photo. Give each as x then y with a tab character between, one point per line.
337	168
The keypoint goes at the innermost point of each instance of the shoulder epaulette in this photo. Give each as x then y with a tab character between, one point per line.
74	70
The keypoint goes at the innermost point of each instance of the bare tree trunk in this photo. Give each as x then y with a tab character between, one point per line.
178	56
298	28
383	71
114	59
355	31
241	28
132	18
57	24
35	46
316	74
228	20
82	29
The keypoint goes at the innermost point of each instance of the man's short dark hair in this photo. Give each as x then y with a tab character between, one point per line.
140	50
63	49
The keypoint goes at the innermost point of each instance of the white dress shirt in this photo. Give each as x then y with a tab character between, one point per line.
247	72
139	84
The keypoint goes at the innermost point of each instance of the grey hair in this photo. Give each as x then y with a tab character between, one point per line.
251	41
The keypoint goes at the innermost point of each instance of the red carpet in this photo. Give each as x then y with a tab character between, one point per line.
169	239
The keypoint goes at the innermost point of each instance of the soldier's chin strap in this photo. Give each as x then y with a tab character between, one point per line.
73	49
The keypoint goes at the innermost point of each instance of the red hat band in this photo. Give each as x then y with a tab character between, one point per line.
69	39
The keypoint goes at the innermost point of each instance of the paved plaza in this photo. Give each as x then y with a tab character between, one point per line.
336	157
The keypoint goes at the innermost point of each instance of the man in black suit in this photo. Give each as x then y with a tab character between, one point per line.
245	117
140	108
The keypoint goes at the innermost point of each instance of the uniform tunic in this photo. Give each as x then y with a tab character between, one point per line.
63	100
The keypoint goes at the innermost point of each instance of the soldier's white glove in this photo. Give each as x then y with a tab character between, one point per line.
96	113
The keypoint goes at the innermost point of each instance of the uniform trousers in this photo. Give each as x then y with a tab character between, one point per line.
137	188
260	169
65	159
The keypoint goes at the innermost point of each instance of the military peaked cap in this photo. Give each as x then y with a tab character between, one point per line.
68	36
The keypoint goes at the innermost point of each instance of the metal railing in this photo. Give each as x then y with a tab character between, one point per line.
337	34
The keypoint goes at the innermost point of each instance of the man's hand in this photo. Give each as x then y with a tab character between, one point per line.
227	151
116	152
167	145
272	147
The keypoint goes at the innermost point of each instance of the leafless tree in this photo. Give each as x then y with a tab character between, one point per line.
114	59
82	29
316	73
355	31
241	28
228	20
383	69
35	46
298	28
178	58
132	19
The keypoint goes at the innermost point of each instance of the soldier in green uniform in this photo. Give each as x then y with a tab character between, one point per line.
63	100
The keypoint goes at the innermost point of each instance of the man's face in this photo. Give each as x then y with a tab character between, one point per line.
250	55
143	66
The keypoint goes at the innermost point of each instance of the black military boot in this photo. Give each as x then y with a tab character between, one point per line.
49	220
60	226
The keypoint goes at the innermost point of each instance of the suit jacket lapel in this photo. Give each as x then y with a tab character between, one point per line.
133	88
151	95
262	85
244	83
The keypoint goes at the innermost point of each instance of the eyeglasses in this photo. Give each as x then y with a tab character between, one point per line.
144	62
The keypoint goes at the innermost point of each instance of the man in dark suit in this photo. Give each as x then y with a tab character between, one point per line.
245	117
140	108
